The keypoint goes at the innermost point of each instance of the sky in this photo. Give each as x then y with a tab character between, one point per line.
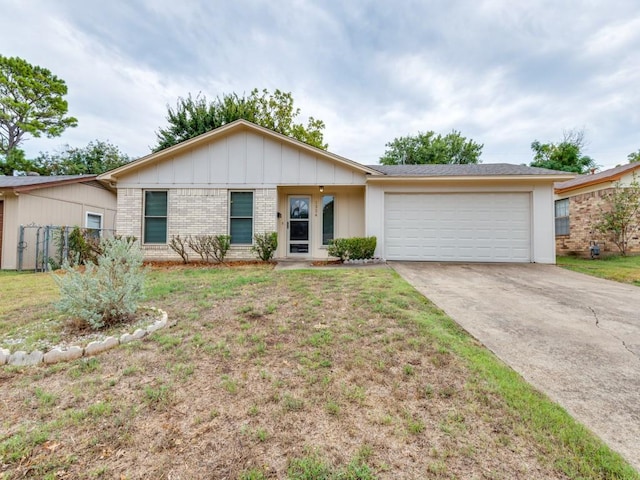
503	73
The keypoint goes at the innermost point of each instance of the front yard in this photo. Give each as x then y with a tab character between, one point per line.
336	374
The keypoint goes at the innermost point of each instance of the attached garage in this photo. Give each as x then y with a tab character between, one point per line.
462	213
461	227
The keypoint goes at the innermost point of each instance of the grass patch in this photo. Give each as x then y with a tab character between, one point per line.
262	362
617	268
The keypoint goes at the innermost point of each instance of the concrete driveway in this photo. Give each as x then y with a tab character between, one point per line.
574	337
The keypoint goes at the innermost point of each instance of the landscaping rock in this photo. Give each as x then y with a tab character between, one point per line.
4	356
97	347
139	333
153	327
126	338
22	359
59	355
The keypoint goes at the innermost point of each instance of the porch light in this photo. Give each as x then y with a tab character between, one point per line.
321	188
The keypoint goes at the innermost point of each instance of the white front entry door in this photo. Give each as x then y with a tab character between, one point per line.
299	226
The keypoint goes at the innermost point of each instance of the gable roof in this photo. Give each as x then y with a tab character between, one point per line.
494	171
611	175
235	126
23	184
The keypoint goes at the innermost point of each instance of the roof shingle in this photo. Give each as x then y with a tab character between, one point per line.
483	169
592	179
37	180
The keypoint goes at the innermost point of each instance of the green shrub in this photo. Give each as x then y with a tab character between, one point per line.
107	293
339	248
84	246
265	245
355	248
220	245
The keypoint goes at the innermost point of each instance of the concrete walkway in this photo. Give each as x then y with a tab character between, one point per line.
574	337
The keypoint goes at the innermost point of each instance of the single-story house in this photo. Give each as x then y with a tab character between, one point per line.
36	201
242	179
578	203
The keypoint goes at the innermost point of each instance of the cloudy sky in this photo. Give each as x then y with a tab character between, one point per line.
502	72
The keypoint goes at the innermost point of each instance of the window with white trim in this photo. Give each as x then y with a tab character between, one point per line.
562	216
155	216
241	218
93	224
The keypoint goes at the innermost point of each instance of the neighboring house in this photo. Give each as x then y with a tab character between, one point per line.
242	179
65	200
578	203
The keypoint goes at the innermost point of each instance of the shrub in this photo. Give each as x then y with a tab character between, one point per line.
265	245
200	244
338	248
355	248
179	245
84	246
107	293
220	245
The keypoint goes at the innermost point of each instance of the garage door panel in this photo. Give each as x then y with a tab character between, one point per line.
483	227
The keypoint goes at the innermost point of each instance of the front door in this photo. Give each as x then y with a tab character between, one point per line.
299	225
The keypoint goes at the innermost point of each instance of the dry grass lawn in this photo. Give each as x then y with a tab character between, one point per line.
345	373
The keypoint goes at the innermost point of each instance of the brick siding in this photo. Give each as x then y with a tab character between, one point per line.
583	214
195	211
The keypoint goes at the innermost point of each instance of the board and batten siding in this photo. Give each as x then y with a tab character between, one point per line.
242	160
198	182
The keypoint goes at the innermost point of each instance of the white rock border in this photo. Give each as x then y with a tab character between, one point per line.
21	358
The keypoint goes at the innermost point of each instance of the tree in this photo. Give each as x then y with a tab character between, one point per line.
96	158
30	103
566	155
431	148
194	116
620	214
634	157
15	160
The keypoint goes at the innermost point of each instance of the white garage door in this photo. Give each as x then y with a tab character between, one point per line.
463	227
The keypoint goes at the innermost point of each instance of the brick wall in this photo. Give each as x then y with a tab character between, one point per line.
129	216
583	213
195	211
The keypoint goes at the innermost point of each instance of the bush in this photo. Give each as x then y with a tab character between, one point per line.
265	245
84	246
338	248
220	245
107	293
356	248
179	245
201	244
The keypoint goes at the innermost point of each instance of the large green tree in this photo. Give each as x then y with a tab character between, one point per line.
194	116
634	157
16	160
431	148
97	157
31	102
566	155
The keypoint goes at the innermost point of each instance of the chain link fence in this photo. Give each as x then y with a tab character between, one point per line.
45	247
